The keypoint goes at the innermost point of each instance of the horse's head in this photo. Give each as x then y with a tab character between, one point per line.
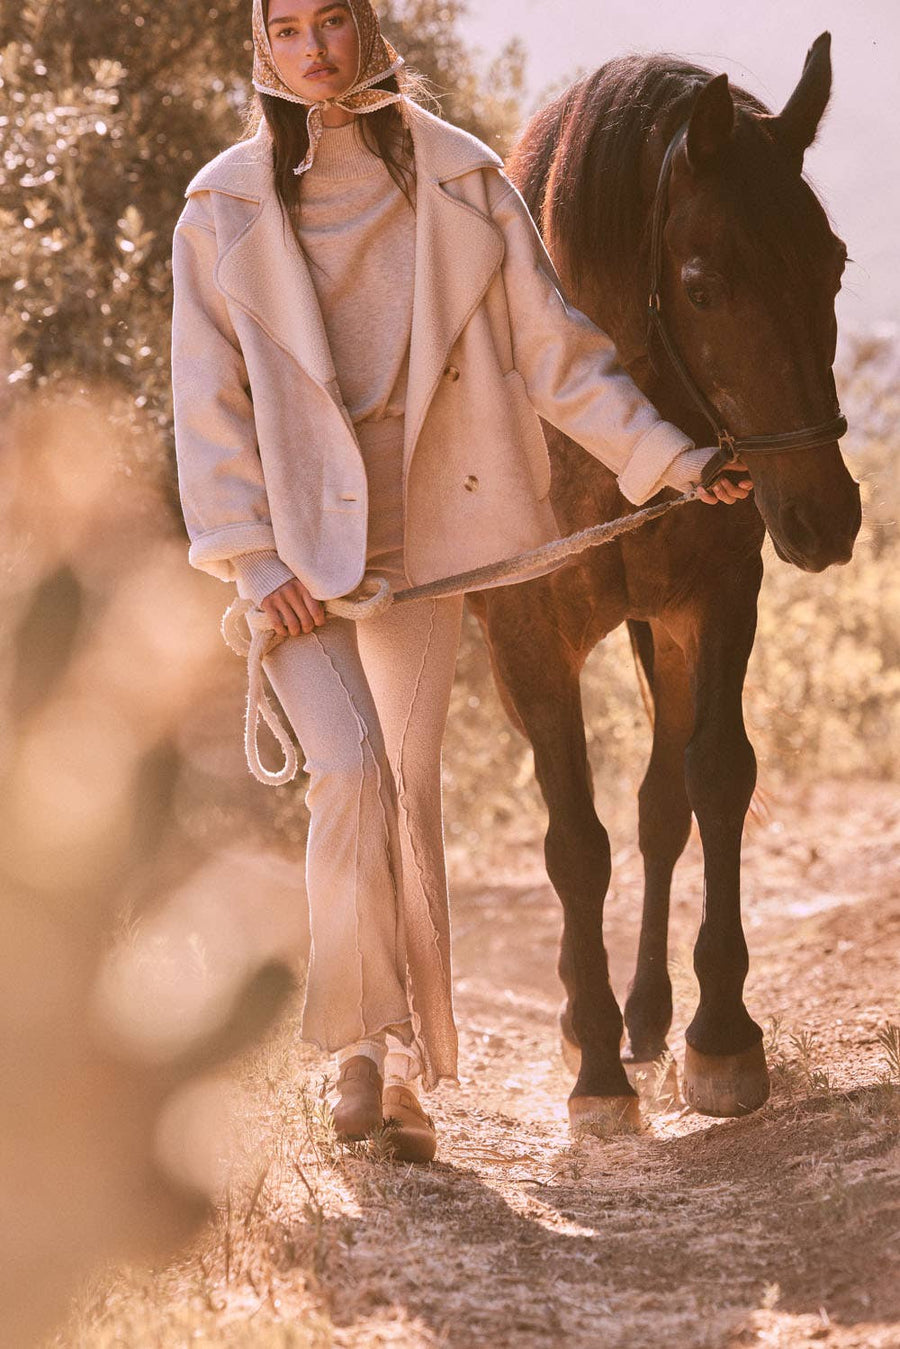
751	269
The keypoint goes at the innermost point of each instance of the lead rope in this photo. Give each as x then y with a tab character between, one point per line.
374	596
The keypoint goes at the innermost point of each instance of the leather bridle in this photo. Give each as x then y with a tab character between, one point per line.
730	447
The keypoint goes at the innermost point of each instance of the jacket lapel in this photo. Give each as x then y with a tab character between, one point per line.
458	250
281	299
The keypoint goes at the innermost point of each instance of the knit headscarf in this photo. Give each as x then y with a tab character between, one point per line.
377	60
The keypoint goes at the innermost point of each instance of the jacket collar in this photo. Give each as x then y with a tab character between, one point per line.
442	150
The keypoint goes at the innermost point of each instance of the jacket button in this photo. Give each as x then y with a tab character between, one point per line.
471	483
451	373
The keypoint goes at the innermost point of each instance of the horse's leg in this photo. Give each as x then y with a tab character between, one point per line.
725	1067
538	673
664	827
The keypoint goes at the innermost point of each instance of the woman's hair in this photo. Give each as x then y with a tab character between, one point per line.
385	132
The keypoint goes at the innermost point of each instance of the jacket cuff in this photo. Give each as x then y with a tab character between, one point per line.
258	574
215	550
650	460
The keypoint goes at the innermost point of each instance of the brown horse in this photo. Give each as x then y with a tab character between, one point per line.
748	273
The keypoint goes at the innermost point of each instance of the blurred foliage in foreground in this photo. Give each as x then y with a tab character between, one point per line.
129	971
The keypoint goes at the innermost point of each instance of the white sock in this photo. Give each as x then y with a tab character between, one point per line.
402	1065
376	1050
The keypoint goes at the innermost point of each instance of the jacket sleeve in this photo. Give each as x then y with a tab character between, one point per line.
572	372
220	477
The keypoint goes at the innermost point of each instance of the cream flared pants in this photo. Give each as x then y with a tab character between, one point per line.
368	703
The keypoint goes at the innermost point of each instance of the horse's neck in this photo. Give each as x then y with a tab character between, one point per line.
604	305
626	323
618	305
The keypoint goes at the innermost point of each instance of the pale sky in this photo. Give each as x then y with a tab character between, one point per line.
855	166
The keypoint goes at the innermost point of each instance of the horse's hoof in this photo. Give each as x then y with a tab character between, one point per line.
604	1116
655	1081
726	1085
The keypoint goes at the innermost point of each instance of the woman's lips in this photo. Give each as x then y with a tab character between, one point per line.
322	73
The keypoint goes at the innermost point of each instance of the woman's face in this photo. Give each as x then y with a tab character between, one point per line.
315	46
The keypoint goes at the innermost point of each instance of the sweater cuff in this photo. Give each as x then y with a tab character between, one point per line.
686	470
259	573
650	459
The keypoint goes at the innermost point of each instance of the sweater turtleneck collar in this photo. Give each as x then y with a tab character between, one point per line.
342	153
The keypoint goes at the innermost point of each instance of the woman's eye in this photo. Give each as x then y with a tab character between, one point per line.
285	32
699	298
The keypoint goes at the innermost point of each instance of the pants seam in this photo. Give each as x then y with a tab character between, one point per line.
364	742
402	805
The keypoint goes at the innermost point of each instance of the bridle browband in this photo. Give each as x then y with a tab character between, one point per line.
730	447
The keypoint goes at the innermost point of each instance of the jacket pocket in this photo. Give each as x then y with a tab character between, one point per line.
529	433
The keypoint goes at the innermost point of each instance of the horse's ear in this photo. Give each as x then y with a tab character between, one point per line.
711	122
796	125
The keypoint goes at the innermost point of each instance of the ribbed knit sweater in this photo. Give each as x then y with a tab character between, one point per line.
359	234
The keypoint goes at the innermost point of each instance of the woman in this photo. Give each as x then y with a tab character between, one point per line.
366	326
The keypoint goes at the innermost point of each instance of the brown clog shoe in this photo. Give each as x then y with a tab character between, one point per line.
409	1134
358	1112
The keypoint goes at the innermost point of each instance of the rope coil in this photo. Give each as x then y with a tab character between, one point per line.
263	638
373	596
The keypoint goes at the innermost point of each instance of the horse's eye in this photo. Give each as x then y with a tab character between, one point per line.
699	298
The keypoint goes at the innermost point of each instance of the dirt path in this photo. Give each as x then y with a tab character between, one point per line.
782	1229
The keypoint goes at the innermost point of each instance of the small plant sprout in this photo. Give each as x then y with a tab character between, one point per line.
889	1039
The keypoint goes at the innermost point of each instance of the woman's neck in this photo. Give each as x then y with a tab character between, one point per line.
337	116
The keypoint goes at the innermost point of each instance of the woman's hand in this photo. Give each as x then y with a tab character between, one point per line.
293	609
725	490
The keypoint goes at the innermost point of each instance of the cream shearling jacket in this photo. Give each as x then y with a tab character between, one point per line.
266	452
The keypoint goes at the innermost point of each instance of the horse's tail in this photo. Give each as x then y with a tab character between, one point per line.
641	637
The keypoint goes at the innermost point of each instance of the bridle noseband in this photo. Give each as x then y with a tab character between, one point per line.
730	447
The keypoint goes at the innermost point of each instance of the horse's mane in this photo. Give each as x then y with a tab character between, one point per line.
578	163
